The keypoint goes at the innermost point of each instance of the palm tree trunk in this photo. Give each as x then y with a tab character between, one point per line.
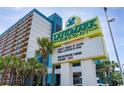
107	79
1	73
11	77
14	77
22	78
2	77
44	74
53	75
44	80
40	78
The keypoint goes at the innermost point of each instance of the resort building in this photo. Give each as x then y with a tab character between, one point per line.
76	48
21	38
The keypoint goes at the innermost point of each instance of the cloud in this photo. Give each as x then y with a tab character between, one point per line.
18	8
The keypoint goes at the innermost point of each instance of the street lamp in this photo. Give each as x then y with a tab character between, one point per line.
116	53
123	68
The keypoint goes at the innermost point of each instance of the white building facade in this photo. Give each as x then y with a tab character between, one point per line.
40	28
21	38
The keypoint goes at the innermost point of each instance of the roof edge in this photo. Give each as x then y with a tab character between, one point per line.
32	11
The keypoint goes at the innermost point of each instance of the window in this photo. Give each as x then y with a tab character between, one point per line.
58	67
77	78
58	77
76	64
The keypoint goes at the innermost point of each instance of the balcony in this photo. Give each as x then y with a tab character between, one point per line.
2	54
5	36
4	49
23	55
24	49
11	50
12	53
25	44
4	40
22	34
25	25
11	38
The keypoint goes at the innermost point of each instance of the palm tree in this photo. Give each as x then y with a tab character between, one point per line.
14	73
114	65
35	72
1	68
116	78
21	72
45	46
6	70
10	65
25	73
41	69
45	49
32	62
107	68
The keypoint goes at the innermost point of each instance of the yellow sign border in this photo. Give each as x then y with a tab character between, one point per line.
96	32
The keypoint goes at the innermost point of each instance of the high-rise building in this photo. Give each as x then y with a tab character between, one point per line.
57	22
21	38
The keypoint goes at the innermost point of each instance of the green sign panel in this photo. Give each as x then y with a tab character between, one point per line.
90	28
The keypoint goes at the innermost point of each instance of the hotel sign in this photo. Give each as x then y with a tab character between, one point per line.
81	50
72	43
72	21
76	30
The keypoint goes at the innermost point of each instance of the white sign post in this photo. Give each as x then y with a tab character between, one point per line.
79	42
84	50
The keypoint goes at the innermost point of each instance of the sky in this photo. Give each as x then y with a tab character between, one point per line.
8	16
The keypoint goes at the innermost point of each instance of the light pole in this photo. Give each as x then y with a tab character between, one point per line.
116	53
123	68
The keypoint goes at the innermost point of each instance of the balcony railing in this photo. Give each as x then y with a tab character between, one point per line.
23	55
